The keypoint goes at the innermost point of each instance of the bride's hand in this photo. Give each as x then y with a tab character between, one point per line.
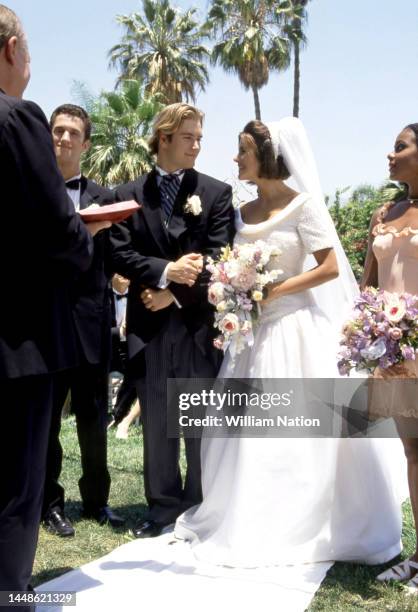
271	292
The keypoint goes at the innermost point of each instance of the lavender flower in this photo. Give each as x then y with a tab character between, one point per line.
383	331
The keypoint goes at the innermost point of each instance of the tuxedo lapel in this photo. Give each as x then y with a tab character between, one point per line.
178	224
86	198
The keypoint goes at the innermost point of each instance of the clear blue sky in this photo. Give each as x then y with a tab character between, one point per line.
359	79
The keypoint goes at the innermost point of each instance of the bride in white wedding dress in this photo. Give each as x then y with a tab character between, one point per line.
285	501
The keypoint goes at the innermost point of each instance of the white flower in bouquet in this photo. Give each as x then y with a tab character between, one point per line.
216	293
230	323
222	306
246	328
264	278
395	307
247	252
232	268
257	295
266	251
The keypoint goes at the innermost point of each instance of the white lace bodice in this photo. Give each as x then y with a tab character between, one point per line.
298	230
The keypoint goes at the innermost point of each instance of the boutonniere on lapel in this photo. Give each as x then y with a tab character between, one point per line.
193	205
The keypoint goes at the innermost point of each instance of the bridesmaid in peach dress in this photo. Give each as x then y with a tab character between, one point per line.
392	264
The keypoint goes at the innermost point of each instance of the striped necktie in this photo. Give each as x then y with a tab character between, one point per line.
169	187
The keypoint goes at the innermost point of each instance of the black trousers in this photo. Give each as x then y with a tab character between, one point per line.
171	354
89	390
25	418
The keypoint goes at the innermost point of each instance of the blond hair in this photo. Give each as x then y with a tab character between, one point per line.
9	25
169	120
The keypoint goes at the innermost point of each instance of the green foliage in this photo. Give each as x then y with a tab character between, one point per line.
163	47
352	219
251	40
121	125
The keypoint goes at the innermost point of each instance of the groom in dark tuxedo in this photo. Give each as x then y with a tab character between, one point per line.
185	217
88	382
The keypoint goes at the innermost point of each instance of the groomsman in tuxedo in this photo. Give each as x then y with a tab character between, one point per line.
88	382
43	245
185	216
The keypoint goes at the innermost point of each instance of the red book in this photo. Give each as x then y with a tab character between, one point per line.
110	212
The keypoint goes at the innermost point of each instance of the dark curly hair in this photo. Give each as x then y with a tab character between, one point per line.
257	134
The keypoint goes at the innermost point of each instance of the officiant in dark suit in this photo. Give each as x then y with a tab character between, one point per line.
42	238
185	216
88	382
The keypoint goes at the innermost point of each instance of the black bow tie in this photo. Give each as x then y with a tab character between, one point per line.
120	296
73	184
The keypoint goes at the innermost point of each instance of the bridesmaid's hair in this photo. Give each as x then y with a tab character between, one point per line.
258	135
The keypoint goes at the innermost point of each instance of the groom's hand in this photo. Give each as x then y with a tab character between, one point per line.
186	269
156	299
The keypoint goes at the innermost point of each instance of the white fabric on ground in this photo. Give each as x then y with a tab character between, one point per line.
148	573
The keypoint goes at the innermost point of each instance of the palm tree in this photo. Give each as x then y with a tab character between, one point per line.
163	47
297	18
252	41
121	124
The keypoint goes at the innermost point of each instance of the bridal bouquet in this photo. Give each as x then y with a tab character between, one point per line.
238	278
382	332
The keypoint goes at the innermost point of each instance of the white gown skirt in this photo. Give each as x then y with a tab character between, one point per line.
273	501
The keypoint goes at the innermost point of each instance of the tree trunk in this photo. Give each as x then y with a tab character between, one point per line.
256	103
296	79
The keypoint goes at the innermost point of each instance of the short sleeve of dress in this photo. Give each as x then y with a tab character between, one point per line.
313	228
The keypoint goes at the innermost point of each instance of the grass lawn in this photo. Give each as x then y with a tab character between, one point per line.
346	587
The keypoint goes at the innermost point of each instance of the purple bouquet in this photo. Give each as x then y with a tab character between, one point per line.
383	331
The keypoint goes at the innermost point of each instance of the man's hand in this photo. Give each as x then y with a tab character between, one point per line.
96	226
186	269
156	299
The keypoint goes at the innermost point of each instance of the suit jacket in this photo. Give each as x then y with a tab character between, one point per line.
44	244
90	293
143	246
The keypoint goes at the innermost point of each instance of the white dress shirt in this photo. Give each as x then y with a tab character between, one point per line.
75	193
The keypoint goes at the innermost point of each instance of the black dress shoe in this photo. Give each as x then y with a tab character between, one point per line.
56	522
147	529
105	515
